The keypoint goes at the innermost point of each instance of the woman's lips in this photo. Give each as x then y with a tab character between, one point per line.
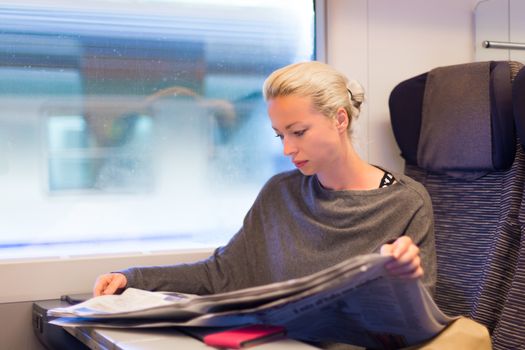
300	164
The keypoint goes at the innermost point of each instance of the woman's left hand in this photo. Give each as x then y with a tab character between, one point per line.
406	263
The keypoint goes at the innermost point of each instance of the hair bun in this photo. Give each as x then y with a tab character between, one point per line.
357	93
357	96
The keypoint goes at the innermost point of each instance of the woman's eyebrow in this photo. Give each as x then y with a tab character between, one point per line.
290	125
287	127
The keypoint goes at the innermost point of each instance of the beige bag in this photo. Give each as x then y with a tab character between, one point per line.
463	333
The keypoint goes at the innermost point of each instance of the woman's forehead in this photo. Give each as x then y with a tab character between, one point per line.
287	111
290	104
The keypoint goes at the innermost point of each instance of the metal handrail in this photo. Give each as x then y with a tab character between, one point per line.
503	45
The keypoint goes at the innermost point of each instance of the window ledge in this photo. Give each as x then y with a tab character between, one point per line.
49	278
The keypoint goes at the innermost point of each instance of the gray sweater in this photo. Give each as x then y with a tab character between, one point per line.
296	227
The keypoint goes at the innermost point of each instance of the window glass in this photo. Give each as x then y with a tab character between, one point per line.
130	125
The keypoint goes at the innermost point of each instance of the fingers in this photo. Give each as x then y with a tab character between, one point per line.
109	284
407	262
100	285
386	249
401	246
119	281
410	269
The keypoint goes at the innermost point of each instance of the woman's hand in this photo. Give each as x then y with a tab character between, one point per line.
407	263
109	284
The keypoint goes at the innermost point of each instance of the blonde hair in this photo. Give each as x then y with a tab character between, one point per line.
328	89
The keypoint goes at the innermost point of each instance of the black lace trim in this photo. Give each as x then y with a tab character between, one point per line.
387	180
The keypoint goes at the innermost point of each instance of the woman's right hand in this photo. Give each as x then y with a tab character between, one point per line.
109	283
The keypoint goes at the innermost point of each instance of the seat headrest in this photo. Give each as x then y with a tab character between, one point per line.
518	101
456	119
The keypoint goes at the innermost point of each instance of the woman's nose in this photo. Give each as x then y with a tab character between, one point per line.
289	147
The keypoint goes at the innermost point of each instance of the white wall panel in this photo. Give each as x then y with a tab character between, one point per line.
517	28
389	41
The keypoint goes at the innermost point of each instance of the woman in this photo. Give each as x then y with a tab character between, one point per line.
334	206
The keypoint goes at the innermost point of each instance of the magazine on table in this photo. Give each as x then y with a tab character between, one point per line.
355	302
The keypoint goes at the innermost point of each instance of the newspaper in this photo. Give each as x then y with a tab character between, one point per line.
355	302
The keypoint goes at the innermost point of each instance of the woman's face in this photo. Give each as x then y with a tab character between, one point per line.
309	138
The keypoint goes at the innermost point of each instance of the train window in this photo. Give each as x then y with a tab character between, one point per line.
137	124
132	125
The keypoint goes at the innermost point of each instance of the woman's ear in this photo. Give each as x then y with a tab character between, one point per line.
342	119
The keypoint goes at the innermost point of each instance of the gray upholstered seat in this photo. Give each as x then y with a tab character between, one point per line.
454	126
509	332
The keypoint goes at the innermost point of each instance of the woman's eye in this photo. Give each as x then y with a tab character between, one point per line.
279	136
299	133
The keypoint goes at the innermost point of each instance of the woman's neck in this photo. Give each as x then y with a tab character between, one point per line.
350	172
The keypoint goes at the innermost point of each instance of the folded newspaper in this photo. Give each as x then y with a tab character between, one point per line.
355	302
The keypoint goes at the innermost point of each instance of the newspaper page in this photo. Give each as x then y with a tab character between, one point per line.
134	303
355	302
